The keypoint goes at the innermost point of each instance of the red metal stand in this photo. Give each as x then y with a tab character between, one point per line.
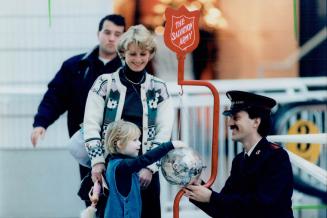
182	36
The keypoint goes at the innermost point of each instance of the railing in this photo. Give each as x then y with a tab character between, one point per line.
314	175
18	105
311	169
195	106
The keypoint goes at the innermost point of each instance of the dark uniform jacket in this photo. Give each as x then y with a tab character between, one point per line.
260	186
69	89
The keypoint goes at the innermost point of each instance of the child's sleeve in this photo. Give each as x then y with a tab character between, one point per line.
136	164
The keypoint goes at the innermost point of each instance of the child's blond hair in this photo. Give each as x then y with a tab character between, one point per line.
122	131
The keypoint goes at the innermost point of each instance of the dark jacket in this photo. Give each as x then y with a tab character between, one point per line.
259	187
69	88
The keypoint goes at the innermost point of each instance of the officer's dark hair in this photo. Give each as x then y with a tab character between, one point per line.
264	115
115	18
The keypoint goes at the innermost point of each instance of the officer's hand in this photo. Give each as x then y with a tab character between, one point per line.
97	171
198	193
37	133
145	176
197	180
179	144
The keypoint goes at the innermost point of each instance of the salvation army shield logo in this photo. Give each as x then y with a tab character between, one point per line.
182	30
182	33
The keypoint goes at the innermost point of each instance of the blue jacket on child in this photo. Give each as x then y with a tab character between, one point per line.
122	175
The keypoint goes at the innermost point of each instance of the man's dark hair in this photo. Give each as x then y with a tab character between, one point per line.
264	115
115	18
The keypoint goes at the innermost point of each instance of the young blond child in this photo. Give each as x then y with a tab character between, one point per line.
122	142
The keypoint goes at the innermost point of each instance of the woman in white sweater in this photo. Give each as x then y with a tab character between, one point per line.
133	95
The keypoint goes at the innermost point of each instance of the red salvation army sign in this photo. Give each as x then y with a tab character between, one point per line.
182	29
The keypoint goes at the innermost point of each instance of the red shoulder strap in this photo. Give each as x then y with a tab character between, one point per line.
274	146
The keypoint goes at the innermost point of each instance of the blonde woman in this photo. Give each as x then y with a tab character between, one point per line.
131	94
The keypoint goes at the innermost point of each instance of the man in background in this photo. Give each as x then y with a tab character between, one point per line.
68	90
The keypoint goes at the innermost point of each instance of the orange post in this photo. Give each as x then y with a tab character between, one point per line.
182	36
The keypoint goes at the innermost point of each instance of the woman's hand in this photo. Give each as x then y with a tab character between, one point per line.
145	176
97	171
179	144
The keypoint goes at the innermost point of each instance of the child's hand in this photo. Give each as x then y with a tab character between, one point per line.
179	144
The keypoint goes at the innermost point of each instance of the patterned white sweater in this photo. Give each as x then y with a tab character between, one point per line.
95	105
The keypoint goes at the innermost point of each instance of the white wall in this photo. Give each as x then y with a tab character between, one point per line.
39	182
31	50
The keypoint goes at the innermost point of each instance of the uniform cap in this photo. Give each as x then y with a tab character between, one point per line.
247	101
